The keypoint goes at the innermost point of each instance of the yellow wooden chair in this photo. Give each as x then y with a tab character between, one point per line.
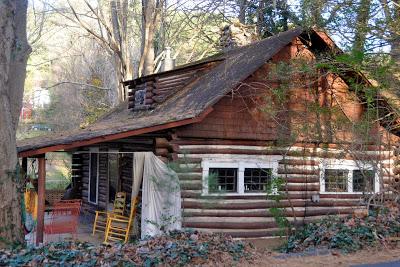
119	227
100	221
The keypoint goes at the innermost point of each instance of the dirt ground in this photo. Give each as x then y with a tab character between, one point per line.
362	257
267	256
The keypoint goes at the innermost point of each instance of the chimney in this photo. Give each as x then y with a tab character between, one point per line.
236	35
168	62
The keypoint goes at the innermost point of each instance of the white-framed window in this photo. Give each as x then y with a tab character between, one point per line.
93	186
348	176
140	97
237	176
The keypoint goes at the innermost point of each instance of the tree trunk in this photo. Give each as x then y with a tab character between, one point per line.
122	55
260	18
242	11
392	19
150	21
285	14
14	51
395	37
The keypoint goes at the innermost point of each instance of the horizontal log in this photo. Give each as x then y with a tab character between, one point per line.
165	90
190	193
299	170
242	233
190	176
162	142
299	162
187	160
177	76
266	143
236	223
301	179
206	151
191	185
179	80
266	213
294	195
179	141
302	187
188	168
259	204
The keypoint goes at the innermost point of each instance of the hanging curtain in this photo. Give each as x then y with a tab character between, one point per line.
138	165
161	195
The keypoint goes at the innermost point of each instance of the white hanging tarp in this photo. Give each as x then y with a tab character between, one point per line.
161	195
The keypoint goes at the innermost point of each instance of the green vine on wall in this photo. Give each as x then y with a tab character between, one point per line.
276	192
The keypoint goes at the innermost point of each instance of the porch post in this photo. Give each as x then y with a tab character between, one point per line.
41	199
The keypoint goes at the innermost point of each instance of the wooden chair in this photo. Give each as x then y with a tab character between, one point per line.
100	221
119	227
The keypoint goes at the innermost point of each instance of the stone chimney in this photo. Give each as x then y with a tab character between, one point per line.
236	35
168	62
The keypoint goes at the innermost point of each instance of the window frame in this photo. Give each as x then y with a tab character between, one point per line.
93	150
350	166
240	165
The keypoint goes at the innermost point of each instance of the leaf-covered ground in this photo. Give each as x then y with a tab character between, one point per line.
174	249
347	234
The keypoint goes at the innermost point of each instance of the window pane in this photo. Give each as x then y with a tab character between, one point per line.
140	96
363	180
336	180
257	180
223	180
93	177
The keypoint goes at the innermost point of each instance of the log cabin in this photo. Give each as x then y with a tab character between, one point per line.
244	118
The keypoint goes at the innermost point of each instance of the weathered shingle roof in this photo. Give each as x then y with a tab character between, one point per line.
188	103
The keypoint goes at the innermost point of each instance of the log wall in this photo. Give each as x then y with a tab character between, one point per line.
239	127
249	215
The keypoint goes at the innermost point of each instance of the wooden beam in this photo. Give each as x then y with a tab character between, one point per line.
41	199
105	138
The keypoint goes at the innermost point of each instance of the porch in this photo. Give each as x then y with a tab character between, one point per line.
98	172
84	233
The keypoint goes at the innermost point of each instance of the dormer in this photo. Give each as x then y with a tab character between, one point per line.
149	91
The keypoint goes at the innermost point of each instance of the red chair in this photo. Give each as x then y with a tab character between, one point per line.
64	218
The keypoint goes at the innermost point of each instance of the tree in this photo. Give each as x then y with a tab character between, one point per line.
112	26
151	11
361	28
392	23
14	51
108	26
